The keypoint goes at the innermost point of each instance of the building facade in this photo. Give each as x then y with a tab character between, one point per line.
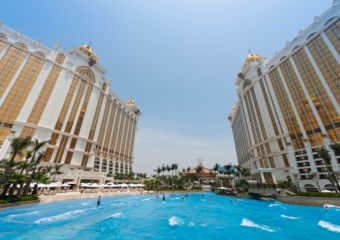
288	107
64	98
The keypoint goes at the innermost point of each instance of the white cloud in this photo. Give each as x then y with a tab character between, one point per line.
157	146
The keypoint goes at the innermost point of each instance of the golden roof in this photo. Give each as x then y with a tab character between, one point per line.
88	51
252	57
131	101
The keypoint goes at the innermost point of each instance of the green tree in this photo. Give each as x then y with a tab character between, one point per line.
324	154
17	146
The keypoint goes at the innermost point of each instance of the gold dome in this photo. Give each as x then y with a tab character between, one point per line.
131	101
88	51
252	57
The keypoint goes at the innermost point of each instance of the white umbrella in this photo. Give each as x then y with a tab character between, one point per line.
326	191
95	185
132	185
124	185
64	185
71	183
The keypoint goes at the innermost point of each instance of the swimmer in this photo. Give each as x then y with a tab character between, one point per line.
231	200
99	199
182	197
210	199
326	208
163	197
202	195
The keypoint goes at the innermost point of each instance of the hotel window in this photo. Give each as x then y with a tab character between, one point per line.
319	96
287	110
301	103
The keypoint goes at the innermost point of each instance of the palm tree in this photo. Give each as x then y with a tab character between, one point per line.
228	169
238	171
35	163
336	149
324	154
315	179
216	167
245	172
168	168
17	146
57	170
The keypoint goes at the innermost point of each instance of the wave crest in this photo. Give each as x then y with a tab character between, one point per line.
248	223
116	215
329	226
175	221
284	216
59	217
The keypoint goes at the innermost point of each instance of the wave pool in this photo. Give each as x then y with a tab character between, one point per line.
145	217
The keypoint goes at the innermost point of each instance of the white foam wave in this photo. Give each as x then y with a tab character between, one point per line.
331	206
274	205
191	224
284	216
175	221
146	199
329	226
23	214
59	217
248	223
203	225
116	215
175	198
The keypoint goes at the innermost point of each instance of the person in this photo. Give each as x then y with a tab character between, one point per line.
210	199
326	208
182	197
163	197
99	199
231	200
202	195
278	191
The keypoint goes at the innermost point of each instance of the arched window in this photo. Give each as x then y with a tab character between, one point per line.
3	36
259	72
60	58
87	72
246	83
19	44
310	36
104	87
329	21
40	54
296	48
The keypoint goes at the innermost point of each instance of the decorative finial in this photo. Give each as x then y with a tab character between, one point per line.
56	45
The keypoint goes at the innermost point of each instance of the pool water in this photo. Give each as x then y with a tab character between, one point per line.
145	217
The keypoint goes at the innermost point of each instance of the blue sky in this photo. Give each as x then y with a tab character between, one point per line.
177	58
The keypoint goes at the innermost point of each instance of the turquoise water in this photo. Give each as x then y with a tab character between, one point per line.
145	217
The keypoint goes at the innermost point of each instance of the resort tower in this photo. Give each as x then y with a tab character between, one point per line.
288	107
64	98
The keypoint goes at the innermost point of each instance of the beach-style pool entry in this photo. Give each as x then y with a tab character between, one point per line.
145	217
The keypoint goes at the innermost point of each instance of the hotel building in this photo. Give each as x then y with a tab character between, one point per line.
64	98
288	107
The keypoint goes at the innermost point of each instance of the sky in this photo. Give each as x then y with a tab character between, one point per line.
177	58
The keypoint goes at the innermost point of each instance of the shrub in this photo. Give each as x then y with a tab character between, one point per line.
20	199
317	194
